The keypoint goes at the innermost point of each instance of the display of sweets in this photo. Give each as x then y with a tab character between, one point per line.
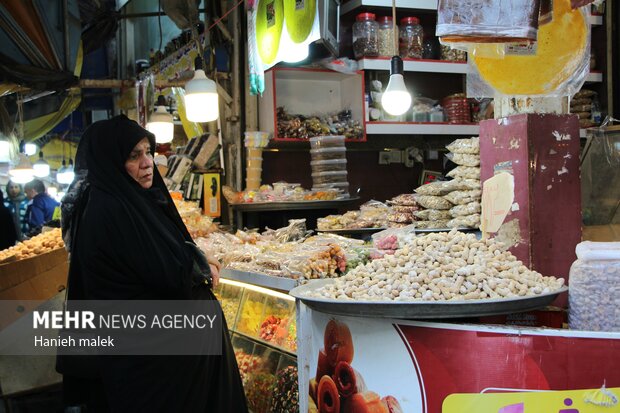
286	391
304	127
40	244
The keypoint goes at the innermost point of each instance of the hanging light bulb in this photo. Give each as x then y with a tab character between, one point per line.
160	123
30	148
41	167
22	173
396	99
201	100
5	148
65	174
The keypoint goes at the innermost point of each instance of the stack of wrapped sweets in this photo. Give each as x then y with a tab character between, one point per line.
455	203
581	105
404	208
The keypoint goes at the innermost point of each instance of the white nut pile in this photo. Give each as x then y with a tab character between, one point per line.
438	267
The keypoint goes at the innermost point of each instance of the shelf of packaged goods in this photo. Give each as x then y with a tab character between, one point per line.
260	280
411	128
265	343
401	4
415	65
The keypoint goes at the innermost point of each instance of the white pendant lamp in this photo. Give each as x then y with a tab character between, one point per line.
201	100
65	174
5	149
41	167
396	99
161	122
23	172
30	148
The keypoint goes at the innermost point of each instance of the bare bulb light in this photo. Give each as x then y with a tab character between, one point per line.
396	99
161	122
23	172
201	100
41	167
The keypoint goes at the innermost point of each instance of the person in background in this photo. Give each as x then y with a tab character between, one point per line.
42	208
17	203
8	233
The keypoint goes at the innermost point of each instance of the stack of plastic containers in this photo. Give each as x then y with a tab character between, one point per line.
329	163
255	142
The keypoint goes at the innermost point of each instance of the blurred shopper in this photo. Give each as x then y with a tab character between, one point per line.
8	233
41	210
17	203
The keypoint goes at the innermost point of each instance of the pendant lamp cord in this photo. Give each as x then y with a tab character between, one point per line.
395	35
195	31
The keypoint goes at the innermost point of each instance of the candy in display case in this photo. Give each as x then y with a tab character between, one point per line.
278	327
229	296
250	317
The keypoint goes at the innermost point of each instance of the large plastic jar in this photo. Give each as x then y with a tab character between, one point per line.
365	43
411	38
594	287
386	37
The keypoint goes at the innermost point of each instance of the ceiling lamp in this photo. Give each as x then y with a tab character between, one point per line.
396	99
5	148
65	174
22	173
41	167
161	122
201	100
30	149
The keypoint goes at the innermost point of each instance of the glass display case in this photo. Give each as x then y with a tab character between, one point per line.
263	329
600	184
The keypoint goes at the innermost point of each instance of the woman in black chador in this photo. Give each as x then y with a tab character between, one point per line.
128	242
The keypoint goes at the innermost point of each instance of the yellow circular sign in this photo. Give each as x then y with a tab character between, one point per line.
560	50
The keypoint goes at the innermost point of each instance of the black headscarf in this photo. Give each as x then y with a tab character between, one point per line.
130	241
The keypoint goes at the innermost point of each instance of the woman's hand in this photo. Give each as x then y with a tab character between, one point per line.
215	266
215	275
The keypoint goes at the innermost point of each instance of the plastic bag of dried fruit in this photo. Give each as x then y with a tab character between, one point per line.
393	238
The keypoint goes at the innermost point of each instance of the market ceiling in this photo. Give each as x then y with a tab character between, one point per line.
43	45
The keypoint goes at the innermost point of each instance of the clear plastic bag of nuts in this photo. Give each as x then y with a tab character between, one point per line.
594	290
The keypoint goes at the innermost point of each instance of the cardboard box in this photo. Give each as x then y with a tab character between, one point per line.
18	272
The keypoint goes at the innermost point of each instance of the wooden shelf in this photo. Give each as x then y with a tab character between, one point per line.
412	128
415	65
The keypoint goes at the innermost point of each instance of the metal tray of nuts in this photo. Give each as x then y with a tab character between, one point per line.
421	309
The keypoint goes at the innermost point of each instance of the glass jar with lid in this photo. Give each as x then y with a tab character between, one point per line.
365	31
411	38
386	36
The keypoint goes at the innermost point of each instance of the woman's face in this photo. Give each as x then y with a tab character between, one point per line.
14	190
139	165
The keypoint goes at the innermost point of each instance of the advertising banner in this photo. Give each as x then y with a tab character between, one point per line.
350	365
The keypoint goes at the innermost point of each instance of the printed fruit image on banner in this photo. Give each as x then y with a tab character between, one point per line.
561	53
337	387
269	23
299	18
